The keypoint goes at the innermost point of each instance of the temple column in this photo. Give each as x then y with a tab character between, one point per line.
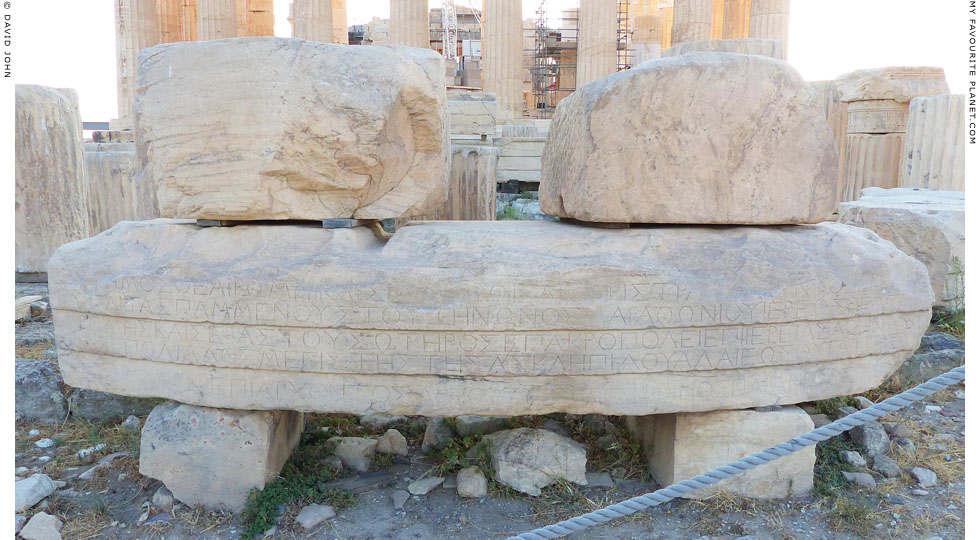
597	33
241	17
313	20
666	23
169	18
216	19
340	22
692	21
770	20
717	18
188	20
736	23
409	23
136	29
503	57
260	18
646	37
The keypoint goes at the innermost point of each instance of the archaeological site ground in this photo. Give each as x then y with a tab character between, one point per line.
458	275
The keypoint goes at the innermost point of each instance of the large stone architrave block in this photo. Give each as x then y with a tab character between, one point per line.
900	83
684	445
485	318
926	224
215	457
686	149
50	195
330	131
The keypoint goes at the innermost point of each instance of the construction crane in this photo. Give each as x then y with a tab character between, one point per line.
450	29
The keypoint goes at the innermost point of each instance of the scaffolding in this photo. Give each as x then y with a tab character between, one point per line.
624	50
554	54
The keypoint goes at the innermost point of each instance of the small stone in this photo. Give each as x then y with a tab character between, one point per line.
891	498
606	442
30	491
864	480
599	480
450	483
333	462
20	471
596	423
853	458
555	426
38	391
86	452
42	526
399	498
44	443
425	485
959	394
933	408
312	515
471	483
34	432
864	402
132	423
942	447
845	411
380	420
471	425
886	466
872	437
920	492
44	459
896	429
924	477
357	453
19	521
163	499
437	434
819	420
528	459
392	443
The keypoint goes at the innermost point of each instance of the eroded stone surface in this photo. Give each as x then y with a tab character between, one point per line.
331	131
926	224
529	459
214	457
684	148
109	179
484	318
763	47
898	83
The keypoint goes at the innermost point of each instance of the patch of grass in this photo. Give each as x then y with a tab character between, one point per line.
338	425
856	513
626	453
526	194
827	478
509	213
951	322
452	458
34	351
382	462
302	478
830	406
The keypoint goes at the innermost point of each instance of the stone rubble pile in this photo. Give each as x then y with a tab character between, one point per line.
249	326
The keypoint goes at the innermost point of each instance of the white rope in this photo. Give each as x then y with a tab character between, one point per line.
642	502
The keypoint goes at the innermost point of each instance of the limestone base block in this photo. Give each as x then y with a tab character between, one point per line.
926	224
215	457
688	149
763	47
485	318
684	445
872	161
330	131
935	149
472	185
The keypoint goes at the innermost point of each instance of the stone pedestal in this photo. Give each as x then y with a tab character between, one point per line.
836	112
216	19
935	149
409	23
503	56
597	27
215	457
313	20
770	20
692	21
736	21
50	195
684	445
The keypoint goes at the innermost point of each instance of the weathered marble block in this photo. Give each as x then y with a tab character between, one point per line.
472	113
836	113
50	195
872	161
109	169
682	446
764	47
273	128
486	318
215	457
926	224
670	142
899	83
935	145
472	185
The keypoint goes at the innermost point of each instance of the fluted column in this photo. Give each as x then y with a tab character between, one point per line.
737	14
646	38
169	18
340	22
503	57
136	29
597	33
717	18
188	20
216	19
666	23
692	21
313	20
241	17
260	18
409	23
770	20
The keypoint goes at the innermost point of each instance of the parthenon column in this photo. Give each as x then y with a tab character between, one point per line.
260	19
770	20
313	20
692	21
409	23
666	23
597	33
717	18
188	20
136	29
646	31
736	24
340	22
503	55
216	19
